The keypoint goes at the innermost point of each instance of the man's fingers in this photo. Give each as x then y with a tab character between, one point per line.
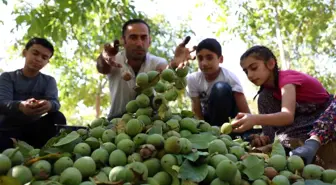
107	47
116	43
191	57
114	64
180	65
185	41
192	49
186	63
112	49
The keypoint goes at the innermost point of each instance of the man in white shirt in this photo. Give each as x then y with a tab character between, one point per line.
216	93
122	67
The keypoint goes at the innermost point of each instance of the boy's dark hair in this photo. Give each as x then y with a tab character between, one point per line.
210	44
41	41
133	21
265	54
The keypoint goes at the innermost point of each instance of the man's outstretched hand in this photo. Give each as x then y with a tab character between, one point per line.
182	54
109	53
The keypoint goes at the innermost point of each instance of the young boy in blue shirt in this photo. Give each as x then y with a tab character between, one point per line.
29	105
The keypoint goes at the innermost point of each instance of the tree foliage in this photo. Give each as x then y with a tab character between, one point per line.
302	32
79	29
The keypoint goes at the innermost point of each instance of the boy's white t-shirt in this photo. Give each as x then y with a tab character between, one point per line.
197	86
121	91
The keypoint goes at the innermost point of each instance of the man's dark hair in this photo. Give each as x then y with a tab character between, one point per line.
210	44
41	41
133	21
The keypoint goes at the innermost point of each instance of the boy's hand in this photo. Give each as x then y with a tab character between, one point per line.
32	107
182	54
109	53
28	106
44	107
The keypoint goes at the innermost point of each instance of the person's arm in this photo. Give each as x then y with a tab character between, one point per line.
238	92
106	61
286	116
196	107
193	93
7	104
241	102
102	66
52	95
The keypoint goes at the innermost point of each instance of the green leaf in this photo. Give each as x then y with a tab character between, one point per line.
67	139
34	152
21	18
202	153
179	159
277	148
51	142
4	2
191	172
193	156
254	167
201	141
52	151
23	147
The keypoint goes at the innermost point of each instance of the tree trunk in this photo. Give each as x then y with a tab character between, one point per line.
101	85
99	89
284	62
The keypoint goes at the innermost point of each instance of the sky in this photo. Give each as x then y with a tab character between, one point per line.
175	11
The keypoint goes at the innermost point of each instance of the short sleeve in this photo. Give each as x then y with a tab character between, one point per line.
290	77
234	82
192	86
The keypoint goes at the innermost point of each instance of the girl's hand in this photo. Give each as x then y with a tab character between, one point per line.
259	141
243	122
